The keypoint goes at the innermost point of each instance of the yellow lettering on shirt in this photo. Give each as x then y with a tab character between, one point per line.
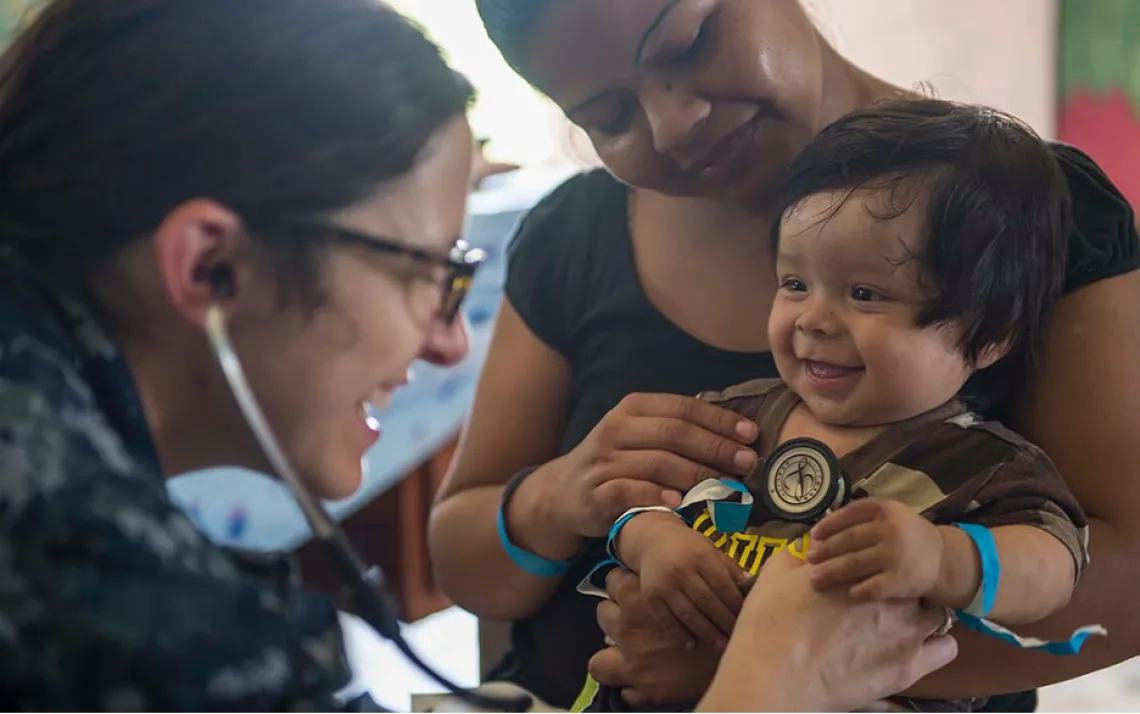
748	550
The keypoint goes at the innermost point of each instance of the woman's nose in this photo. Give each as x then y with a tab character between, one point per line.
447	345
675	115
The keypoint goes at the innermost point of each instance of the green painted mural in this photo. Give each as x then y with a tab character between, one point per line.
1099	86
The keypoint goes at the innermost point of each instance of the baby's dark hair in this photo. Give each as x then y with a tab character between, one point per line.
997	215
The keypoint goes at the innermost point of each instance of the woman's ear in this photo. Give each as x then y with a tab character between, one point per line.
991	354
197	249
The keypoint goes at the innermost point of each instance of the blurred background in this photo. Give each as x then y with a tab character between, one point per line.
1071	68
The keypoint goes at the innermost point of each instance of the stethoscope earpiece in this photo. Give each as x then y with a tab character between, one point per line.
220	279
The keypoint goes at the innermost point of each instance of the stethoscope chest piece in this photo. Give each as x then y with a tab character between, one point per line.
801	480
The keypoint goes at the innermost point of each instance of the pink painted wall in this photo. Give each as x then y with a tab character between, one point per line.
1099	86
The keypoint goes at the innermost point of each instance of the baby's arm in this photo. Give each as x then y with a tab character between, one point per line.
884	549
1037	573
1039	533
644	532
692	587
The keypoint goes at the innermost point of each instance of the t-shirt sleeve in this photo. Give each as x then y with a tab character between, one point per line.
747	398
1027	490
548	258
1104	241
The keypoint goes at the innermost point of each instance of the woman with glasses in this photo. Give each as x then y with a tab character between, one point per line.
303	165
300	168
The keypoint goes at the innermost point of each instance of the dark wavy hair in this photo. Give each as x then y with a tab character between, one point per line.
113	112
509	24
997	215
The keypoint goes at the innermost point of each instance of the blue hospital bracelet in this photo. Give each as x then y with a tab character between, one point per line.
974	615
532	563
983	539
615	529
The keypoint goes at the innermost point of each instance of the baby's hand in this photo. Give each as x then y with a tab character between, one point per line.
693	589
881	549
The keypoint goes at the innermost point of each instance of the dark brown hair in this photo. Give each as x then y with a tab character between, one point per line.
510	24
113	112
997	214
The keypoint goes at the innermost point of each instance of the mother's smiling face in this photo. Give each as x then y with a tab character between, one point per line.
687	97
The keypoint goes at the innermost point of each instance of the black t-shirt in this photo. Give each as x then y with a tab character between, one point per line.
572	278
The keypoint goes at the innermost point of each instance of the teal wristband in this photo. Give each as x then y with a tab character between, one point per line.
983	540
530	562
974	616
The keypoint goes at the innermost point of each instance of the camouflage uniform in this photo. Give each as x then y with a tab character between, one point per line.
110	598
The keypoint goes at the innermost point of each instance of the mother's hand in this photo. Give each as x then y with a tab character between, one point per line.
648	665
646	451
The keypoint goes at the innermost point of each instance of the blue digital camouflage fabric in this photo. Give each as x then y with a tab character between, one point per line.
110	598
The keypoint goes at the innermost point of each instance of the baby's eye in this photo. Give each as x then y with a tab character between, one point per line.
794	285
862	293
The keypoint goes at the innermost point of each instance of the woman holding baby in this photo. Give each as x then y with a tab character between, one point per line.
626	298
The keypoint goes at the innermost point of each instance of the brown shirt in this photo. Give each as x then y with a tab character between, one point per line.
947	464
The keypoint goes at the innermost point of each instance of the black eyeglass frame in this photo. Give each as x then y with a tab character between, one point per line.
461	262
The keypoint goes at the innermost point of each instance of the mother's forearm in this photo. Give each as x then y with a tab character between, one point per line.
470	564
1106	595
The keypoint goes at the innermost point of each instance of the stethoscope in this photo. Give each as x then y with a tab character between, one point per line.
369	596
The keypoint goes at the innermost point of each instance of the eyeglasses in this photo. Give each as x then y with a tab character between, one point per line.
459	264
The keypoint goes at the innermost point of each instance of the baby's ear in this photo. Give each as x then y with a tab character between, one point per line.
991	354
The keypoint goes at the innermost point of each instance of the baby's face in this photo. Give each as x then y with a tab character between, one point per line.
842	327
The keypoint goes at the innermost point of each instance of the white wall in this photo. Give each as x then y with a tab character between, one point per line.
997	52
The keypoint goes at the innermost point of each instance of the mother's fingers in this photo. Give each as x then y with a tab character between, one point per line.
934	654
934	620
689	440
635	699
914	621
609	668
622	585
694	411
663	468
609	617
